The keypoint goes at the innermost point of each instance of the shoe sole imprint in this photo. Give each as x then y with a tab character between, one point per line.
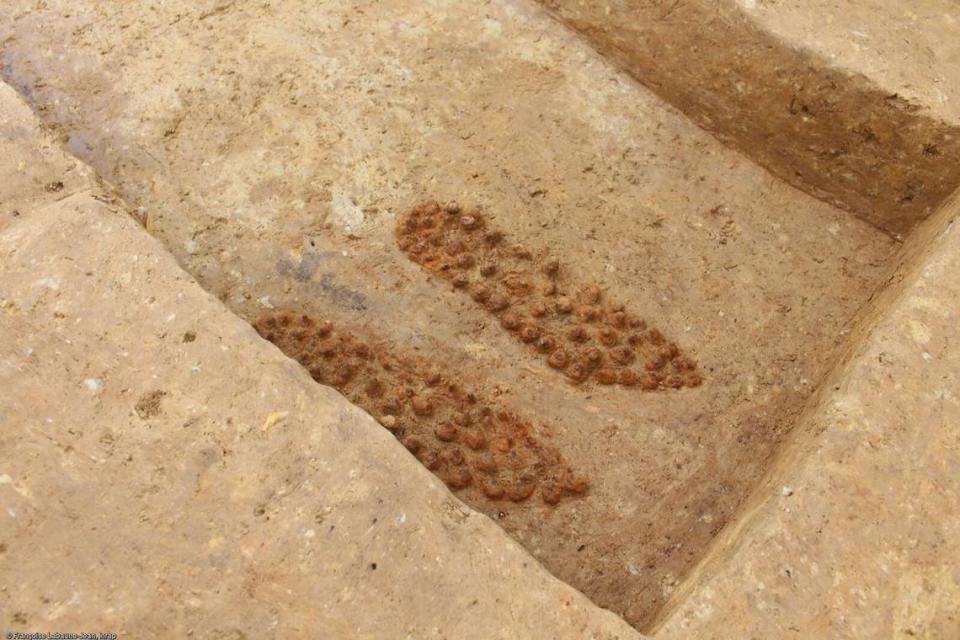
474	445
577	334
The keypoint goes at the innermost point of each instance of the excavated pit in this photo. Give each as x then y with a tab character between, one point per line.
697	300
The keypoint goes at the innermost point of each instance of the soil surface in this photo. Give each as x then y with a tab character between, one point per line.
275	148
167	473
756	74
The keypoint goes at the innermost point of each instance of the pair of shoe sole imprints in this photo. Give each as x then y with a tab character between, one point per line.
473	444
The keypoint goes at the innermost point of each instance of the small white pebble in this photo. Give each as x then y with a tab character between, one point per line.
94	384
274	419
787	491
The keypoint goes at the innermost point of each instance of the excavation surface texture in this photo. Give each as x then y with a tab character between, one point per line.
855	533
153	437
852	102
273	150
